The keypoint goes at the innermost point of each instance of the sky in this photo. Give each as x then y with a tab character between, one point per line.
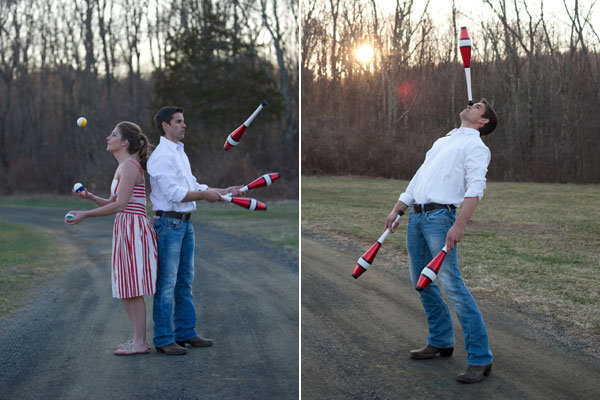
473	11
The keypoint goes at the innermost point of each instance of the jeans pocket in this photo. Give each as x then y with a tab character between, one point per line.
438	217
173	223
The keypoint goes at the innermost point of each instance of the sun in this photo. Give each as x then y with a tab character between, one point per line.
364	53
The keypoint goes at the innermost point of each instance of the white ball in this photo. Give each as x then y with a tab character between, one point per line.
69	216
78	187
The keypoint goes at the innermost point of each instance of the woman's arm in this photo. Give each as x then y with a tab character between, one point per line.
96	199
129	174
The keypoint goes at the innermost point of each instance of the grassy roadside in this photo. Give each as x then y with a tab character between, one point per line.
28	256
278	225
534	244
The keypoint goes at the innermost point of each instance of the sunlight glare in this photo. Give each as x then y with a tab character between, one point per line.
364	53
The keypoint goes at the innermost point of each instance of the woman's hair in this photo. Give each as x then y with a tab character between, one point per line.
138	142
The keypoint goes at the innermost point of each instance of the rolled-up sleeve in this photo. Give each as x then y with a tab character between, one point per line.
476	165
201	187
164	172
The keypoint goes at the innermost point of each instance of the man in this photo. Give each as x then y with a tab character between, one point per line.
174	191
452	174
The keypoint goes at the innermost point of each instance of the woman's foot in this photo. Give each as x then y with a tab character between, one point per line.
130	348
129	342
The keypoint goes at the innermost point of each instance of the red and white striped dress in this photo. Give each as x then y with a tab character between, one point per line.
134	251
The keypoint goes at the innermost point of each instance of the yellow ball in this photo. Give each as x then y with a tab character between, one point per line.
81	121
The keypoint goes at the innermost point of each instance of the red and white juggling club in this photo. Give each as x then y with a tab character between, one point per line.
365	261
465	51
250	204
265	180
234	137
430	272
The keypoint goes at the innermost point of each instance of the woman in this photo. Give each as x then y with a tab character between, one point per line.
134	251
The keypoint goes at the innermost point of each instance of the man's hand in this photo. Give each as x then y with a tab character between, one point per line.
390	220
400	206
454	235
233	190
212	195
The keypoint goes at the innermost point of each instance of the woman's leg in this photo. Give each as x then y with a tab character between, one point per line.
136	307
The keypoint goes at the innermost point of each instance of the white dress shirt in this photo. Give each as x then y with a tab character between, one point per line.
454	168
171	178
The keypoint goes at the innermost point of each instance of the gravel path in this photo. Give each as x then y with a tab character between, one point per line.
356	335
59	343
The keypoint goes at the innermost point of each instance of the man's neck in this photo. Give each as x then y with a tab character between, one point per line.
467	124
170	138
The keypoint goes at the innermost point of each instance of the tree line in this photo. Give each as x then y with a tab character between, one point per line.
378	118
113	60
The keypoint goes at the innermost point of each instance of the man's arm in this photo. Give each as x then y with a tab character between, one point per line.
457	231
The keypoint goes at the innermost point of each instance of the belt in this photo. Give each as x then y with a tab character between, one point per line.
432	206
174	214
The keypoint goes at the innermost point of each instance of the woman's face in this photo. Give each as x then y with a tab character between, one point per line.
115	141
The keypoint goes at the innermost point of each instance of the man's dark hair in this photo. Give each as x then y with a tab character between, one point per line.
165	114
490	114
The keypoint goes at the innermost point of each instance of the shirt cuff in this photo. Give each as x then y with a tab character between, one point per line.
474	193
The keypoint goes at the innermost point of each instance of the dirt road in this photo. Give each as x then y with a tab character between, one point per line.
59	344
356	335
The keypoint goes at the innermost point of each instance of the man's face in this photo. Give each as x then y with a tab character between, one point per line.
474	114
175	131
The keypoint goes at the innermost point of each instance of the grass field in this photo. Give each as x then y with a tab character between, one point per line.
537	245
28	256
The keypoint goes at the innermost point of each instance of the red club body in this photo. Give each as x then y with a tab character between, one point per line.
430	272
234	137
250	204
465	51
465	46
265	180
366	260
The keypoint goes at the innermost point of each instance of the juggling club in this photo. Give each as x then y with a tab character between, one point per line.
265	180
250	204
465	51
430	272
365	261
234	137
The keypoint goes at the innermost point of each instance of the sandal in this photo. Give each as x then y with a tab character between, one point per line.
127	350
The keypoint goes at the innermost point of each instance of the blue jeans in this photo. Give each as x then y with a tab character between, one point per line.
175	239
425	237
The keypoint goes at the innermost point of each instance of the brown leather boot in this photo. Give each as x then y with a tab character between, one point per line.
196	342
172	349
474	373
430	351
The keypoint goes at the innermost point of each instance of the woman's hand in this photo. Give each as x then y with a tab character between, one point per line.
78	216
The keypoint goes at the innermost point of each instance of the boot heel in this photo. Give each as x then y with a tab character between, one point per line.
488	370
446	352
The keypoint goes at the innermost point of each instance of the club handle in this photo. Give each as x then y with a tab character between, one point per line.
255	113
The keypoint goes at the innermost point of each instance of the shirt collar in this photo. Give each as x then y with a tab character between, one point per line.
169	144
463	130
